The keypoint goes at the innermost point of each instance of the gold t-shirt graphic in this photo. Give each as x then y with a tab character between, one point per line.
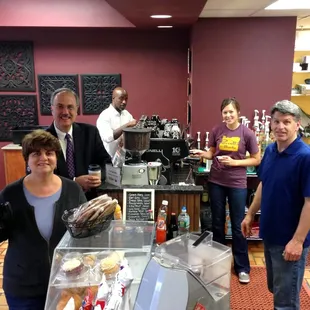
230	144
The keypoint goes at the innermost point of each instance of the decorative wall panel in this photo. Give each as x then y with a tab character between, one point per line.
49	83
16	110
16	66
97	91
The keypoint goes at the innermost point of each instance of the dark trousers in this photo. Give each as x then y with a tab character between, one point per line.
237	202
25	303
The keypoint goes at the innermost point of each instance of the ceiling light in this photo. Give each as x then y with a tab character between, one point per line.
289	5
164	26
161	16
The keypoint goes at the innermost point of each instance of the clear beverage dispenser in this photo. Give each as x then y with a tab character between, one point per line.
187	273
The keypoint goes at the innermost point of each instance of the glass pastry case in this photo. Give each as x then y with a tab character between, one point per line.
85	268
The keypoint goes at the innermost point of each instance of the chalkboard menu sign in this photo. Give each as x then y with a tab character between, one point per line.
137	202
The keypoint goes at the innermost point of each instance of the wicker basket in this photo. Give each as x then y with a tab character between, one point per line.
89	228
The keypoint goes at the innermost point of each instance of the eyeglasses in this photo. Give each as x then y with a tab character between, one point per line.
68	107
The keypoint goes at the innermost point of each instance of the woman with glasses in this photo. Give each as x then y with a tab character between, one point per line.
228	144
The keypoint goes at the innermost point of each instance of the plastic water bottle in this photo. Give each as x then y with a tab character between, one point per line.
183	222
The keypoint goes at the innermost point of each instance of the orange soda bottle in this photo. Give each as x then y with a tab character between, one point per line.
161	228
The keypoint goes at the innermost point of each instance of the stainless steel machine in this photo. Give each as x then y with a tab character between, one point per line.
136	142
167	151
187	273
150	141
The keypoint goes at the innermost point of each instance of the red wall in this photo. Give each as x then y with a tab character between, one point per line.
247	58
153	64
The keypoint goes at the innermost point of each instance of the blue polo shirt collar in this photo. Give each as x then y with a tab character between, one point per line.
291	149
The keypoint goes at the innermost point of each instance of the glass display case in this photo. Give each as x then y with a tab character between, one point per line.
79	264
188	272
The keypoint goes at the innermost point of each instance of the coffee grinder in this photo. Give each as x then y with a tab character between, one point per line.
136	142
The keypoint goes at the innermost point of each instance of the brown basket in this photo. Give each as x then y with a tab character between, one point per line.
87	229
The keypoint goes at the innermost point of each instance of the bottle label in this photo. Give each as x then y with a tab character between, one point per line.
174	234
161	225
184	224
199	306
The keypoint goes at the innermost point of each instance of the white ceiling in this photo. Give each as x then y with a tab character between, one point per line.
252	8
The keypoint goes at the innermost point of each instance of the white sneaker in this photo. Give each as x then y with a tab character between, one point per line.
244	277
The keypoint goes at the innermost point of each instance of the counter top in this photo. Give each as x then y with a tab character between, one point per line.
200	172
11	146
174	188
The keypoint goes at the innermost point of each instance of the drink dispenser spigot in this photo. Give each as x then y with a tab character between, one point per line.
267	126
263	116
242	118
198	140
256	119
262	128
207	141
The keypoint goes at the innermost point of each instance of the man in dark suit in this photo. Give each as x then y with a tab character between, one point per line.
81	143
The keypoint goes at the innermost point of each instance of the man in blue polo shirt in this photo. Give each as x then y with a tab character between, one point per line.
284	198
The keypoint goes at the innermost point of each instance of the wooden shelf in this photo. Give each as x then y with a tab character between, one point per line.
299	95
14	165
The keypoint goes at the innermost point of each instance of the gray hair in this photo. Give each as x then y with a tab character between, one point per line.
286	107
66	90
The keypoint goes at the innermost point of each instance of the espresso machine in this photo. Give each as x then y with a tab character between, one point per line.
187	273
167	151
136	171
136	142
166	145
153	146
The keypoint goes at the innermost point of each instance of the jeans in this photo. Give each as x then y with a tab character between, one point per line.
25	303
237	202
284	278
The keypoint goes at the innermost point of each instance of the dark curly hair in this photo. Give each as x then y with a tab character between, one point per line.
37	140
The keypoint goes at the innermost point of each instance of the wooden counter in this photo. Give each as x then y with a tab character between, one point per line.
14	163
176	195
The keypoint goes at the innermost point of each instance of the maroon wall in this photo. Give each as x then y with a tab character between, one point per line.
152	64
60	13
248	58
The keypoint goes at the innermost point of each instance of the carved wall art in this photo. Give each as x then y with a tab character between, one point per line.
97	91
49	83
16	66
16	110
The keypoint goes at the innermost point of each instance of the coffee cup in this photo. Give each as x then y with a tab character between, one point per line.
94	170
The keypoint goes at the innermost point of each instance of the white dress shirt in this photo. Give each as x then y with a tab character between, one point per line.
61	137
109	120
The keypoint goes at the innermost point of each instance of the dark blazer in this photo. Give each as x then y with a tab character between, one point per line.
88	149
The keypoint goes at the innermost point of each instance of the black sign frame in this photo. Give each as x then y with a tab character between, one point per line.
145	198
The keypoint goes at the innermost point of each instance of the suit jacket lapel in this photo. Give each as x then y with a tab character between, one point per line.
78	142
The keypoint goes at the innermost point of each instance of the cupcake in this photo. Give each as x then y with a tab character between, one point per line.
109	266
89	260
73	266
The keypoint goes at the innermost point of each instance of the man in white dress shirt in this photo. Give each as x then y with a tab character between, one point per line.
113	120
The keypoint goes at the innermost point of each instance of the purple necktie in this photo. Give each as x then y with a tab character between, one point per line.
70	157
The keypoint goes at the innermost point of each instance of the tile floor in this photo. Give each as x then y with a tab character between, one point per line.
256	255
